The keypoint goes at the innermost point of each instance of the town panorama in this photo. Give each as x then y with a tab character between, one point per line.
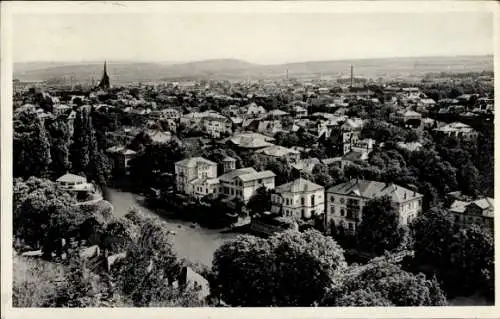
299	190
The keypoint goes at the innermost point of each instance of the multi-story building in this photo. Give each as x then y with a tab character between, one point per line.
74	183
217	126
345	202
193	172
300	199
478	212
460	130
243	182
121	157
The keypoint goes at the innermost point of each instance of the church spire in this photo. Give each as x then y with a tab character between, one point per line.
104	84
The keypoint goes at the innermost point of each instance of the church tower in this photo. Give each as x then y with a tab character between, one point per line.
104	84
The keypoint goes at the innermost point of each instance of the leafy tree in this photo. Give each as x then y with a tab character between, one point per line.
34	282
382	283
31	147
146	274
321	175
363	298
60	140
289	269
379	228
79	150
260	201
471	264
37	202
433	236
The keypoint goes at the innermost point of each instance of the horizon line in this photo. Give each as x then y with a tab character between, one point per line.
255	63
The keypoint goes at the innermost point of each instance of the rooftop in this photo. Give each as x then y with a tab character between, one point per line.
373	189
194	161
299	185
71	178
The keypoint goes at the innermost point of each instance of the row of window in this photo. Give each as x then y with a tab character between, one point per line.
289	201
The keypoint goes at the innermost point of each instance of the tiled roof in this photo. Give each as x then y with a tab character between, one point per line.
373	189
277	150
299	185
193	161
70	178
257	175
229	176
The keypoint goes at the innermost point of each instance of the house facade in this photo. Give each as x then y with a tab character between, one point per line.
300	199
243	182
345	202
459	130
192	172
480	212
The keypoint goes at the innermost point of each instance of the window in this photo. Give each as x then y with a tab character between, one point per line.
302	201
332	199
351	226
259	181
332	209
342	201
287	201
342	212
312	200
303	213
232	191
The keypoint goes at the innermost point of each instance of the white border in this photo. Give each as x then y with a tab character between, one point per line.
10	8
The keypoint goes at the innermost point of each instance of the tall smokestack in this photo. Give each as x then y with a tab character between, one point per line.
287	73
352	74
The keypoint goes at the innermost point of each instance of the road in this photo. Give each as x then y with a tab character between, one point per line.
195	244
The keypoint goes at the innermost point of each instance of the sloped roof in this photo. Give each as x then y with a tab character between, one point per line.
257	175
373	189
193	161
237	172
70	178
300	185
277	150
277	113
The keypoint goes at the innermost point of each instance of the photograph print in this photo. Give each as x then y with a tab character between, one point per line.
262	157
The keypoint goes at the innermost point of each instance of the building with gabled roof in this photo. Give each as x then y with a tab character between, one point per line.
191	169
243	182
301	199
345	202
280	152
479	212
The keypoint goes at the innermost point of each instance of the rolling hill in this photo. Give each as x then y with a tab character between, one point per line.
234	69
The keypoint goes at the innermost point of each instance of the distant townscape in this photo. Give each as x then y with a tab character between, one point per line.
254	186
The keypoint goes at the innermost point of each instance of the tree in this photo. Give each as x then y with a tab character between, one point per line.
38	206
31	147
289	269
471	264
382	283
60	140
260	201
79	150
379	228
150	267
321	175
34	282
433	236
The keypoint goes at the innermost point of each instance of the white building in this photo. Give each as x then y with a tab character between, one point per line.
192	173
299	199
243	182
345	202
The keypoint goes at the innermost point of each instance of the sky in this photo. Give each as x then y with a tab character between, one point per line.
264	38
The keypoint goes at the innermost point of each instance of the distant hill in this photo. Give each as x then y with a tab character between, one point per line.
234	69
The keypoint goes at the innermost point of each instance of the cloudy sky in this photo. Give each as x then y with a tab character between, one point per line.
255	37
